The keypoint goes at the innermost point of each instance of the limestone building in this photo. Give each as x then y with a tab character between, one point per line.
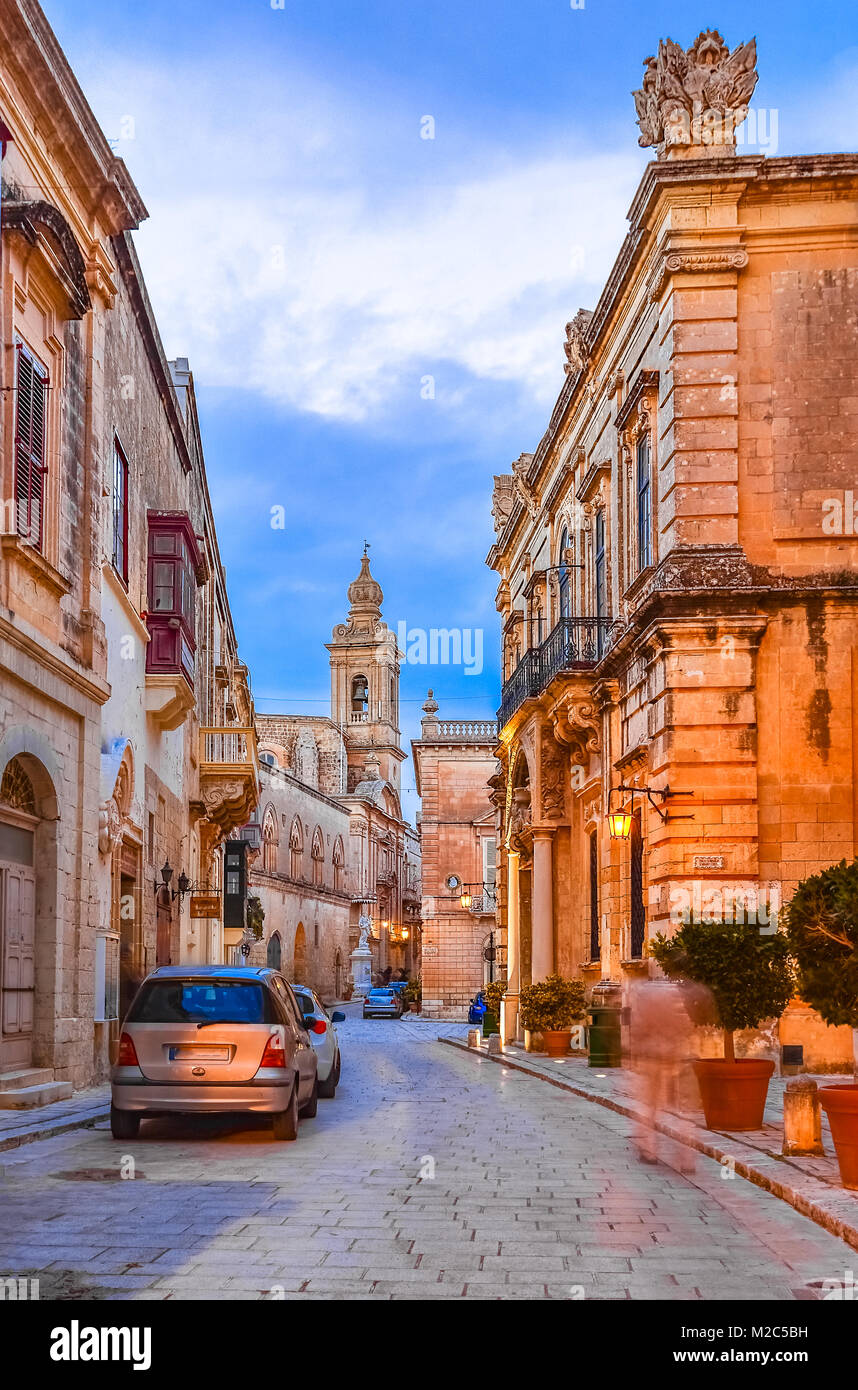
676	560
126	723
454	764
335	810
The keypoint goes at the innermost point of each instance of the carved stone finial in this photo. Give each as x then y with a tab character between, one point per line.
691	101
576	352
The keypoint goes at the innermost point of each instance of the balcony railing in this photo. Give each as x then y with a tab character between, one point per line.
575	644
230	747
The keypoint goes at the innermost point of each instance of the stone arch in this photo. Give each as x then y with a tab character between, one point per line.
299	956
30	924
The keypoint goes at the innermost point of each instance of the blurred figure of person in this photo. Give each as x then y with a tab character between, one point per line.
660	1033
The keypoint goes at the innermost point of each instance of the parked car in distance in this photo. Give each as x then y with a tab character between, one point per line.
214	1039
477	1010
382	1002
323	1035
399	986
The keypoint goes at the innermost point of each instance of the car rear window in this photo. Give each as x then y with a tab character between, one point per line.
202	1001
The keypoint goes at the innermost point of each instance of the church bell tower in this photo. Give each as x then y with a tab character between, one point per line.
365	682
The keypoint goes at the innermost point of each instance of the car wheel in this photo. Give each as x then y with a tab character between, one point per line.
124	1124
328	1087
285	1124
309	1108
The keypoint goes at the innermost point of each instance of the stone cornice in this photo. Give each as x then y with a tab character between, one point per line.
89	686
663	178
41	71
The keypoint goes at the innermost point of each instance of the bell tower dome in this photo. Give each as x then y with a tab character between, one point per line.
365	681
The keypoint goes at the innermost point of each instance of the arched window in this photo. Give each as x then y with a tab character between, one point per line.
269	842
393	698
275	951
339	859
360	697
563	576
318	857
268	758
296	849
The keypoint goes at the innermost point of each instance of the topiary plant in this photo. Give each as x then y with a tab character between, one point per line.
493	993
822	930
255	917
749	975
553	1004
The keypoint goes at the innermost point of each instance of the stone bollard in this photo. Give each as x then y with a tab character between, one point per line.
473	1037
495	1045
802	1118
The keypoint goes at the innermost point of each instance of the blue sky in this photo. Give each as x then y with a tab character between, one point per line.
316	260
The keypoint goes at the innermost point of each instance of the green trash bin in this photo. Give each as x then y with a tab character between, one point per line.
490	1023
605	1037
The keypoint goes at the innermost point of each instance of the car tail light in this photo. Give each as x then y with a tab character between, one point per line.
318	1025
274	1054
127	1054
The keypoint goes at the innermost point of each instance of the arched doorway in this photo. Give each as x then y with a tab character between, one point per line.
299	968
28	908
275	951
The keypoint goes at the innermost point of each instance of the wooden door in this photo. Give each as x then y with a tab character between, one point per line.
17	964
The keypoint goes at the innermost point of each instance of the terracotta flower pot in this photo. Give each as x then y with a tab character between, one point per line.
556	1041
840	1104
733	1093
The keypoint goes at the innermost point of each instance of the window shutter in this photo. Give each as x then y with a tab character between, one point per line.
30	469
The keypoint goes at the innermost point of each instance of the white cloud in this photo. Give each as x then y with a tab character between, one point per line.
314	250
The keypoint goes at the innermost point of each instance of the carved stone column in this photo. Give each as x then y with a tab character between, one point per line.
542	959
509	1003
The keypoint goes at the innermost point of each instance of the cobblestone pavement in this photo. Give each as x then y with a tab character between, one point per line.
428	1177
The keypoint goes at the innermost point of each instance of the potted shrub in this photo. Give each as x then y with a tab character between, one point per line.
550	1007
748	977
413	995
822	931
493	993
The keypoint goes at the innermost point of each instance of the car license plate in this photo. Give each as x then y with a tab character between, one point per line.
199	1054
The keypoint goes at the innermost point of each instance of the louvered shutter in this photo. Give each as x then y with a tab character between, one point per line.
31	403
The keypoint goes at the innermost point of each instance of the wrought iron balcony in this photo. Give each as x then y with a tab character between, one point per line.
574	644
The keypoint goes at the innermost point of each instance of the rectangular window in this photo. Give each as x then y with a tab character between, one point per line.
644	490
601	569
120	513
595	934
638	910
31	408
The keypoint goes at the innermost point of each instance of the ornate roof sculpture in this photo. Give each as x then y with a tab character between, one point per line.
574	347
692	100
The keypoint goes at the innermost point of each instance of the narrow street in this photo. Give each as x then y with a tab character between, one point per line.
431	1175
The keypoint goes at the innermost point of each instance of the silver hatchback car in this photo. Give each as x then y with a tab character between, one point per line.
213	1039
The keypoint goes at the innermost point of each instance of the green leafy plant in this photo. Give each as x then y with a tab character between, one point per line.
255	917
822	930
553	1004
748	974
493	993
413	992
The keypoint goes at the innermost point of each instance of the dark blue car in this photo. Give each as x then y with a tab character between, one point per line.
476	1012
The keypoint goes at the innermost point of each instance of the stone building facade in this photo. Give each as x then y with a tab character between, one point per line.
454	764
677	566
126	721
348	765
